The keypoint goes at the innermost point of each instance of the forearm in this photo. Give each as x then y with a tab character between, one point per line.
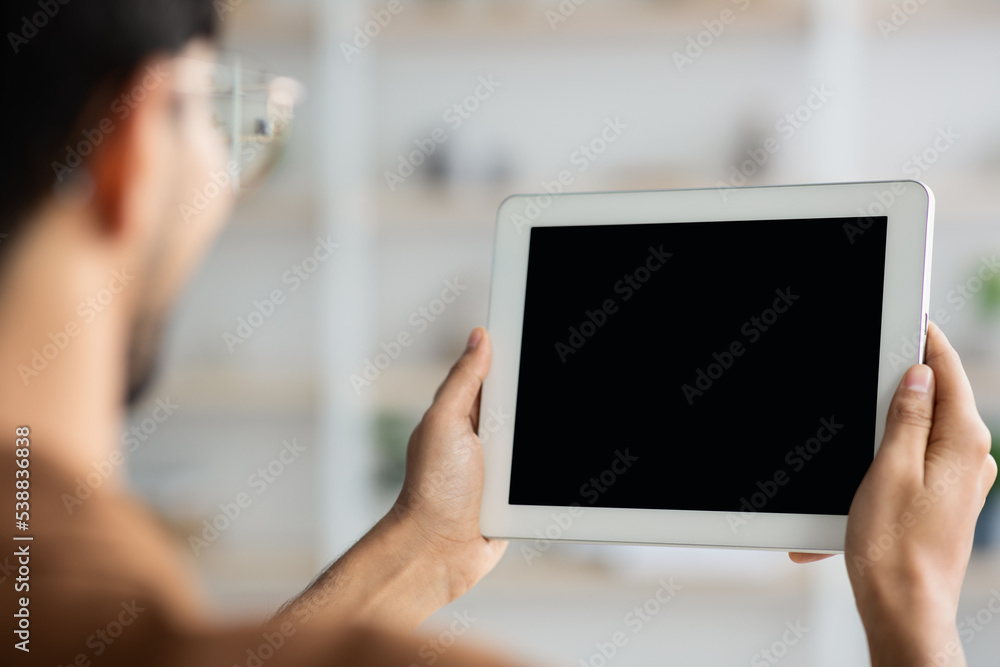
428	550
390	578
913	647
912	628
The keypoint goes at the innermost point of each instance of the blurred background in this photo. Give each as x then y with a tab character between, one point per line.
903	89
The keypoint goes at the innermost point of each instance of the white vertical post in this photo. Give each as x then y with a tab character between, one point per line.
237	116
836	59
345	310
836	636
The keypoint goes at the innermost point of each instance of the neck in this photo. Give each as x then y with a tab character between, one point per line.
63	341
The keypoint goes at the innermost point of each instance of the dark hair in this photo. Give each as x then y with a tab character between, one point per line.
59	56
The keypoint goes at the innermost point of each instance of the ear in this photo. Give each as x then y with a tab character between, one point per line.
128	166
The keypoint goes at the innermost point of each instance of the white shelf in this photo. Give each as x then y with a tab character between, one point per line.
458	23
214	390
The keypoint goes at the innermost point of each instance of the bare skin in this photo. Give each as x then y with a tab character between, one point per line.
910	527
429	542
418	558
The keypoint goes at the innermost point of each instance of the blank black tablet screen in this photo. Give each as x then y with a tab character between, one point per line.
718	366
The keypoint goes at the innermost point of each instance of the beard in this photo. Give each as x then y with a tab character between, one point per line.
171	259
143	359
146	335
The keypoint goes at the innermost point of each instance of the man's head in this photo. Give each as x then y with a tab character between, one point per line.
109	131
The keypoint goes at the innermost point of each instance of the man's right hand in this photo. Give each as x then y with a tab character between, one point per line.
910	528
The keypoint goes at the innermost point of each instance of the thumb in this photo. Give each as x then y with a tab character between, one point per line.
908	425
458	393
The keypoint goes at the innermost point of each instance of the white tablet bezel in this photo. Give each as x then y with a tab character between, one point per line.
909	206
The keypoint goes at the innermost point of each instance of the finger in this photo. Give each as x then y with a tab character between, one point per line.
474	412
954	404
457	394
989	475
953	383
909	422
801	558
496	547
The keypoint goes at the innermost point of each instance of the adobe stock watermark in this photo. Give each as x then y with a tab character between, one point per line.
581	158
491	422
626	287
295	276
772	655
88	309
562	12
752	330
899	16
590	492
223	7
7	569
454	116
968	629
796	458
785	127
914	167
131	439
201	198
121	107
304	607
104	637
432	649
923	502
307	605
223	180
258	481
985	272
271	642
419	320
31	24
411	496
635	620
919	163
699	42
904	352
371	29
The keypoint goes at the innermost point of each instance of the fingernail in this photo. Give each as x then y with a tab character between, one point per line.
918	378
474	338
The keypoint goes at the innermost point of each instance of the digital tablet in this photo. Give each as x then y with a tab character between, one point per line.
697	367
